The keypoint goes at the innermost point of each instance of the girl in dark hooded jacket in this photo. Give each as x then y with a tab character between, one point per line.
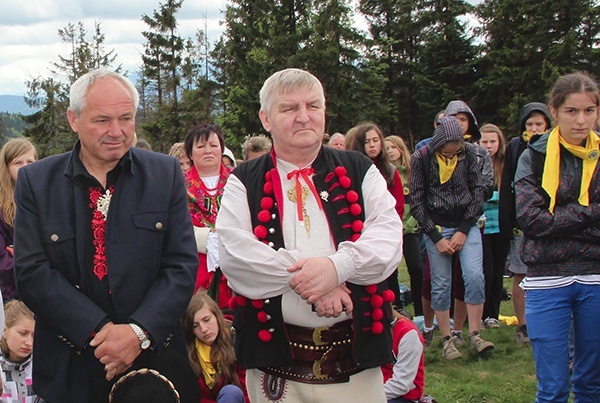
534	120
557	187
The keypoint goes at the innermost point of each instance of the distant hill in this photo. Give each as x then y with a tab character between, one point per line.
14	104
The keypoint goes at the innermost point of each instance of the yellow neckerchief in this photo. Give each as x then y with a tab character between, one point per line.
551	176
203	354
467	137
447	166
526	136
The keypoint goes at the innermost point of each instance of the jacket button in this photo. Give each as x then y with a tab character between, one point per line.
158	226
54	237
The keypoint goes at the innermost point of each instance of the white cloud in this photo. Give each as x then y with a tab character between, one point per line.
30	42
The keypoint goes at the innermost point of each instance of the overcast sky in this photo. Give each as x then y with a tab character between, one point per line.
29	40
29	32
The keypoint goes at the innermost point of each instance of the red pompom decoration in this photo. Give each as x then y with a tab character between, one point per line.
376	327
377	314
355	209
354	237
345	182
268	176
371	289
232	304
258	303
340	171
264	216
264	335
357	226
352	196
376	301
266	203
241	301
388	295
268	188
262	316
260	231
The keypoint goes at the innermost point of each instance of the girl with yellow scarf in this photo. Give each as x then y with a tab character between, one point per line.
210	350
557	187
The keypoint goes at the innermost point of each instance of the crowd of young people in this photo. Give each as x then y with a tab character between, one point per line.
469	201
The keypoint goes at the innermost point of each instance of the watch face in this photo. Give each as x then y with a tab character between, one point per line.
145	344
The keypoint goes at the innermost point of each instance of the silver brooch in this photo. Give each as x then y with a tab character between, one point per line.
324	195
103	203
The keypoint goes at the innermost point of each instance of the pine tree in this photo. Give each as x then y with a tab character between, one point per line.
528	44
260	38
332	55
163	52
395	30
49	128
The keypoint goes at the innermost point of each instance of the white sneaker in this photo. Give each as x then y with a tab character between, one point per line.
491	323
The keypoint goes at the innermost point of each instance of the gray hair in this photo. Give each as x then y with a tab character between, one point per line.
79	89
256	144
336	135
286	81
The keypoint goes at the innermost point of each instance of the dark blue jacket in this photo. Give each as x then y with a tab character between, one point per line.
151	258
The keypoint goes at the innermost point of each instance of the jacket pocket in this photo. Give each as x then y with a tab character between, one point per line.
60	243
150	230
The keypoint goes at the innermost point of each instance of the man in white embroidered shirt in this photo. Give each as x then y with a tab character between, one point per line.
308	236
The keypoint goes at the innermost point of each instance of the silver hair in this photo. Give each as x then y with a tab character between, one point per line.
286	81
79	89
337	134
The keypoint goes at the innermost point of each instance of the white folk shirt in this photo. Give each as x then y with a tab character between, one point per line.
257	271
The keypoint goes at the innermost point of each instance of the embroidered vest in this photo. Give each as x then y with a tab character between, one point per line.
261	338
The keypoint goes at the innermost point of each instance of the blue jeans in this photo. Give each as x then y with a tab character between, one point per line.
548	314
471	261
230	394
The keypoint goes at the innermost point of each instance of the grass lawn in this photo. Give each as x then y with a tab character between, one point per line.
503	375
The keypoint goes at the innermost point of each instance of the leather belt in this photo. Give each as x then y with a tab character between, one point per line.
321	355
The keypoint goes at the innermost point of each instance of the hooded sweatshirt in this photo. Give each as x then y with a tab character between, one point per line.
484	160
456	203
228	153
508	216
455	107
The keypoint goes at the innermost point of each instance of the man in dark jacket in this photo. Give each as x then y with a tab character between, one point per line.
104	249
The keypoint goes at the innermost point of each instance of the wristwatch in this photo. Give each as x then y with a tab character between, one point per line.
141	335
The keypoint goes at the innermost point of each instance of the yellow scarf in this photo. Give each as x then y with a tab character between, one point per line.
203	354
526	136
447	166
551	176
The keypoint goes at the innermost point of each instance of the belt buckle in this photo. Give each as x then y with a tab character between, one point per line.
317	366
316	336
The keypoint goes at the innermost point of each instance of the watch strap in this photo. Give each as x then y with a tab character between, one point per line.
141	335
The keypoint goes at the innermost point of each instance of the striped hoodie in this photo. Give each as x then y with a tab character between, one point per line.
454	204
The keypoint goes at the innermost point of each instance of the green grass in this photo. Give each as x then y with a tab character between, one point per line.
503	375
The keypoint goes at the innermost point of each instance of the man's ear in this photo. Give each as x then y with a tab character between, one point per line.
264	118
72	120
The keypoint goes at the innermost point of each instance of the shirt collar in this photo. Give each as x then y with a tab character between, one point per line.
75	168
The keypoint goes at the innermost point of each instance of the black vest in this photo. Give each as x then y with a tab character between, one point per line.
261	337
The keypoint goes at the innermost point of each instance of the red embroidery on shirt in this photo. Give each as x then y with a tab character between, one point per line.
99	233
